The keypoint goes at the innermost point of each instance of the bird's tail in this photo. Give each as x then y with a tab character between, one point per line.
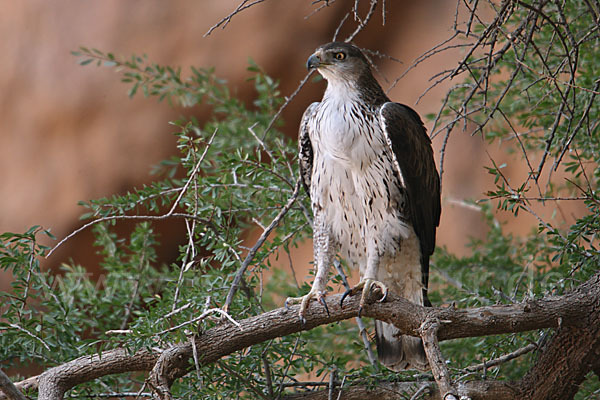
399	352
396	351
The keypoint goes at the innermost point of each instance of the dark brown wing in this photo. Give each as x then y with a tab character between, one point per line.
305	150
413	152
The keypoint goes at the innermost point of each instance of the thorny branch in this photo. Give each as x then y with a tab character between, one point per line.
553	67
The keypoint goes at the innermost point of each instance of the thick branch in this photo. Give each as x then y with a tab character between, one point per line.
429	330
56	381
475	390
9	388
567	310
571	310
567	357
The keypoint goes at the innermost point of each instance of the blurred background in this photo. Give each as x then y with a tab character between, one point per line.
70	133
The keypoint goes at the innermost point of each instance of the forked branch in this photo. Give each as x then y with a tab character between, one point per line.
577	310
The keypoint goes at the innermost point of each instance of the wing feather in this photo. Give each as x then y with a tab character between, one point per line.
407	137
305	150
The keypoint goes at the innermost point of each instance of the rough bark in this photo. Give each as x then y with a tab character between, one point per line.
562	365
476	390
570	354
53	383
9	388
437	363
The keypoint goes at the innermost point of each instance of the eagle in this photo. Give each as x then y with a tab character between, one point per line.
367	165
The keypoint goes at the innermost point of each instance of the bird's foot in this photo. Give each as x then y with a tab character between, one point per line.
304	300
366	286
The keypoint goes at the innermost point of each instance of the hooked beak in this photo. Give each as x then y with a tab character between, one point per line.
313	61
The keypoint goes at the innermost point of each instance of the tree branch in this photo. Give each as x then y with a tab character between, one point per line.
474	390
567	357
574	313
428	331
53	383
9	388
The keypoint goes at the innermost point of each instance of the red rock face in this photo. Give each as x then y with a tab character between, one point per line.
70	133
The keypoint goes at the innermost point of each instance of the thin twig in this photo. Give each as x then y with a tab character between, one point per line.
242	379
28	333
288	99
362	23
195	356
223	22
362	330
110	395
261	240
268	375
501	360
339	27
421	390
200	318
125	217
169	214
287	367
184	263
193	174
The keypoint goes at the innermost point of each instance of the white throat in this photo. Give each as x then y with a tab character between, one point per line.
340	91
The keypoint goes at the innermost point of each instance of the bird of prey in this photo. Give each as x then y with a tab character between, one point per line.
367	165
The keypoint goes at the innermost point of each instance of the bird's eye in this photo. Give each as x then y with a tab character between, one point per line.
340	55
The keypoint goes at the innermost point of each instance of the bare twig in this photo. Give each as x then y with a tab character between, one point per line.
28	333
501	360
185	265
422	389
111	395
362	23
362	330
170	214
261	240
200	318
268	375
126	217
195	356
287	367
193	173
288	99
241	7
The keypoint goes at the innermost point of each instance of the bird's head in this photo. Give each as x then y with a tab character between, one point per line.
339	61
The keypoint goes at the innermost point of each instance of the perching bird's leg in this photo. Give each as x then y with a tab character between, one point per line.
367	283
324	250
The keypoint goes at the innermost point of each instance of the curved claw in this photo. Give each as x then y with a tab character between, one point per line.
322	301
366	286
384	291
346	294
304	300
